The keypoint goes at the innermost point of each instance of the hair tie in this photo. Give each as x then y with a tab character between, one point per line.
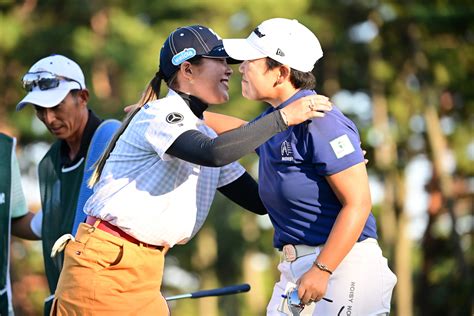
161	75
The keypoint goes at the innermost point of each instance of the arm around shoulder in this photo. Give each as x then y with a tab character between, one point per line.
221	123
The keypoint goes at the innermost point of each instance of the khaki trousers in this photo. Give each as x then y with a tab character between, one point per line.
107	275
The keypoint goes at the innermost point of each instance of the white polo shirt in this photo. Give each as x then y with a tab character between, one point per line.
154	197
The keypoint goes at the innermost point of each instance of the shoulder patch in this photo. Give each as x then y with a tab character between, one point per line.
342	146
174	117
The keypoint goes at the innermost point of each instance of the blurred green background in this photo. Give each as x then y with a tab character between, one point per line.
403	71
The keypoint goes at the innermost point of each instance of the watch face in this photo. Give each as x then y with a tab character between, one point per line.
289	252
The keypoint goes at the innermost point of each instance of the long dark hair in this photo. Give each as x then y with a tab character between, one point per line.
152	92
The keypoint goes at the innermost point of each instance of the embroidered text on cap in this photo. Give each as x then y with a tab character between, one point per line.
183	55
259	34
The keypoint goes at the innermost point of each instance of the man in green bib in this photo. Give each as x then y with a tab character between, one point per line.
56	88
13	211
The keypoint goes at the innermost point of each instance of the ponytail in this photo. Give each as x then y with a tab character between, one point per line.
151	93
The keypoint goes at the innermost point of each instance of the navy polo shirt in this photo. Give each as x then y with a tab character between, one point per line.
293	167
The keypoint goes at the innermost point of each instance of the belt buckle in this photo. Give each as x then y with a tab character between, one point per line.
289	253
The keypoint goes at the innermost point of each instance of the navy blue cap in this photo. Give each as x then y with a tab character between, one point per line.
186	42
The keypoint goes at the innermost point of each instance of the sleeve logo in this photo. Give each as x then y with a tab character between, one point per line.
342	146
174	118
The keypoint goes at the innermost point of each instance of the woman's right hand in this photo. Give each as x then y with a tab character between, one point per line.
130	108
306	108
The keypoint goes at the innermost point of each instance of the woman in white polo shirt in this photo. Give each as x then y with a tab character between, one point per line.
156	181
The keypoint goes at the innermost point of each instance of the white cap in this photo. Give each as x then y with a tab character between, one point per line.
286	41
58	65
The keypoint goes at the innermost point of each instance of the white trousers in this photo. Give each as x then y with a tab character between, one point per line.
361	285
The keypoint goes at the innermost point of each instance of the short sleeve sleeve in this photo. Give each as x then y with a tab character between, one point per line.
18	200
165	122
336	144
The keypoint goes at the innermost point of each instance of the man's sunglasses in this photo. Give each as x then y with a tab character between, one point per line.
44	80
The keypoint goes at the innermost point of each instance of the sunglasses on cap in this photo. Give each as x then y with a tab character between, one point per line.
44	80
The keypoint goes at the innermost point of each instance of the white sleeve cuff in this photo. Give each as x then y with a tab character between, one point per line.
36	223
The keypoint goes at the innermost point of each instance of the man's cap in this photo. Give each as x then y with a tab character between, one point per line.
186	42
286	41
58	65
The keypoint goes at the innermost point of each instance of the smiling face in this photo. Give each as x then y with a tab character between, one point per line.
208	80
258	81
67	119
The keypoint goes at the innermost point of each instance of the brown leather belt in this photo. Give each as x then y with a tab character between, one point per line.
114	230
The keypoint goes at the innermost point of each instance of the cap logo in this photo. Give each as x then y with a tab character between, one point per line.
279	52
183	55
258	33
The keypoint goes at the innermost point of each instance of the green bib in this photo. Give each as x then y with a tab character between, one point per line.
59	189
7	146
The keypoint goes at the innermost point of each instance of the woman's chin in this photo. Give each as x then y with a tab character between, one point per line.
220	99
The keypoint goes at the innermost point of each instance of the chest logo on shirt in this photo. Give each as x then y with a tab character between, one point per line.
286	151
2	198
174	118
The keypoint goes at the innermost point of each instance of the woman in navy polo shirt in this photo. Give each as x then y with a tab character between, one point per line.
312	181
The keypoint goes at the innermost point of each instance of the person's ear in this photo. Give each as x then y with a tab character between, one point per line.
186	69
83	96
284	74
